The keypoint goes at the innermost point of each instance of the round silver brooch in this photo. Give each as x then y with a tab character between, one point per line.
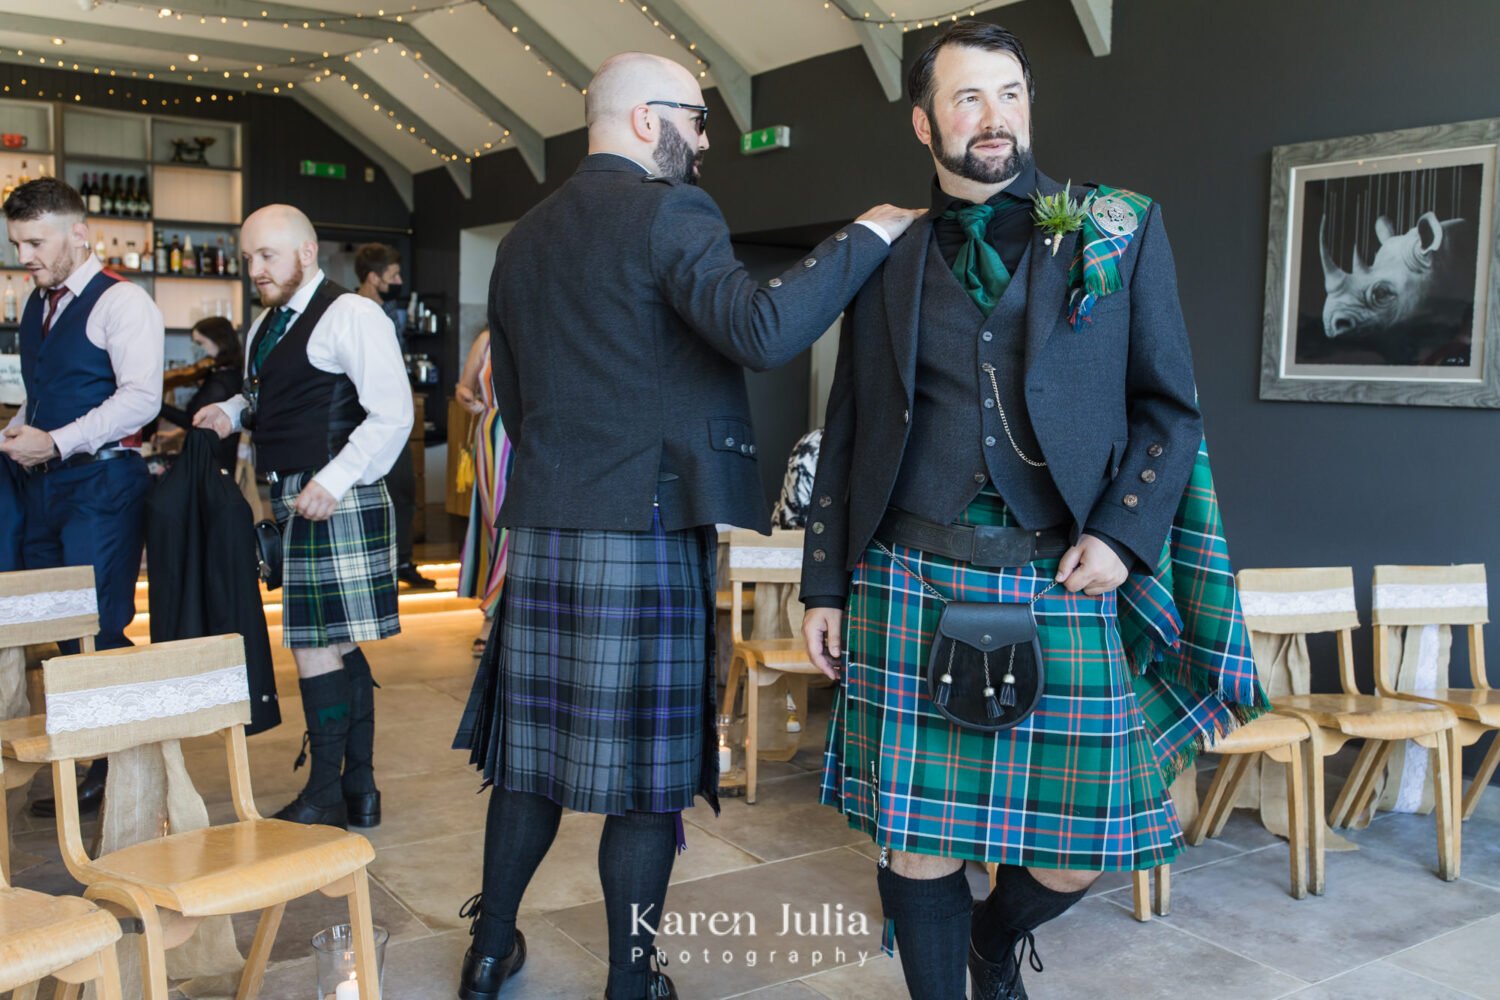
1114	215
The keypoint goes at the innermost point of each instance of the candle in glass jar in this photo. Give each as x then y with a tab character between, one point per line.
725	760
347	990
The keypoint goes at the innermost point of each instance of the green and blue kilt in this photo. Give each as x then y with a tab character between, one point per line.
339	575
1076	785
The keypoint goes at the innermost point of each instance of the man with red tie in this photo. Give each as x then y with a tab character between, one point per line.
91	361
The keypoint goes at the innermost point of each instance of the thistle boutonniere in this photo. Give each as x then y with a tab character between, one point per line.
1057	214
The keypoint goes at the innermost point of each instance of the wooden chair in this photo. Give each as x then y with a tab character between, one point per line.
38	606
1283	737
64	937
1293	603
755	558
1407	597
112	701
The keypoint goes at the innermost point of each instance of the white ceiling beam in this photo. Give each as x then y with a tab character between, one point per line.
523	135
547	45
400	177
882	47
1097	19
732	78
397	111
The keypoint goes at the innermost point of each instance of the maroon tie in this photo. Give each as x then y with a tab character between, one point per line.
54	296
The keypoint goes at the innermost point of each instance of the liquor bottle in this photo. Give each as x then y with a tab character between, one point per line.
132	257
221	259
148	259
7	187
233	269
175	255
161	256
10	301
116	258
145	199
189	258
25	178
107	197
99	249
127	197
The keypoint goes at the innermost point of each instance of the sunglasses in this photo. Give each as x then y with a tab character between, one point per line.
700	120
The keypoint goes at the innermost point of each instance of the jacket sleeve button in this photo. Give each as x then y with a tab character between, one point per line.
817	527
774	282
729	442
825	501
819	555
809	262
1148	476
841	236
1130	500
1155	451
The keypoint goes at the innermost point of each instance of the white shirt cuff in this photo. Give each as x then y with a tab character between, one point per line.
872	227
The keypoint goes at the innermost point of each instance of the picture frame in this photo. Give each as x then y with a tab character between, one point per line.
1382	273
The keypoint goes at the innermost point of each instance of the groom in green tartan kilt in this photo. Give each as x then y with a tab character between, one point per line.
1013	420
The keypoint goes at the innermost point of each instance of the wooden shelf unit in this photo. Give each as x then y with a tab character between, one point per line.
204	201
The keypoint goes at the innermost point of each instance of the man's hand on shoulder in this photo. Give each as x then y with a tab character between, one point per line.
894	221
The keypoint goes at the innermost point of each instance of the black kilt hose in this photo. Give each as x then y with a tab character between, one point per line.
596	688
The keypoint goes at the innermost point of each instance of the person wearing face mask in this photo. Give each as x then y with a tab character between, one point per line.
620	325
326	400
91	360
1011	432
378	268
216	337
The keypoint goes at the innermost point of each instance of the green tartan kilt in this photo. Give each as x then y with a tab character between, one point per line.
1076	785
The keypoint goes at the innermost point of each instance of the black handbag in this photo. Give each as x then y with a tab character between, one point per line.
268	551
984	668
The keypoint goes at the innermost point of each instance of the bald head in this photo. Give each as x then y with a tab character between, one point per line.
282	223
633	78
623	119
280	248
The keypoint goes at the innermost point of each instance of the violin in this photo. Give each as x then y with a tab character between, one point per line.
187	375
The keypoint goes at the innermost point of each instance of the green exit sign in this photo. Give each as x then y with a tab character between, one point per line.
764	140
333	171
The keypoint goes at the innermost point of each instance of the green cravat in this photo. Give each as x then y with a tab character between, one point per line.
978	266
281	318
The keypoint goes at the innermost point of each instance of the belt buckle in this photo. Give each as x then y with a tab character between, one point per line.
997	546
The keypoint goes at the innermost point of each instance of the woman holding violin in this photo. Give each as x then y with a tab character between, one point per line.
217	376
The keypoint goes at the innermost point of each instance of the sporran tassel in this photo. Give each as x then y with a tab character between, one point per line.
991	706
1008	691
945	688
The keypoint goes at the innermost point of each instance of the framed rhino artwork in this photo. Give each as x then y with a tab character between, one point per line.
1381	269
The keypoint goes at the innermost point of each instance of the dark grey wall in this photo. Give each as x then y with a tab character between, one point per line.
1186	110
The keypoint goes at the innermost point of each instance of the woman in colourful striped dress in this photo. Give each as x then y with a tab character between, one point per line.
482	566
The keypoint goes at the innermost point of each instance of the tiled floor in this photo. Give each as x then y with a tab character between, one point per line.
1387	927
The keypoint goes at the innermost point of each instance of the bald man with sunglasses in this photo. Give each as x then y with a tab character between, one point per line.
621	324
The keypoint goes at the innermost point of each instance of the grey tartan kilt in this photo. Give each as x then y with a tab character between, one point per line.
596	688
